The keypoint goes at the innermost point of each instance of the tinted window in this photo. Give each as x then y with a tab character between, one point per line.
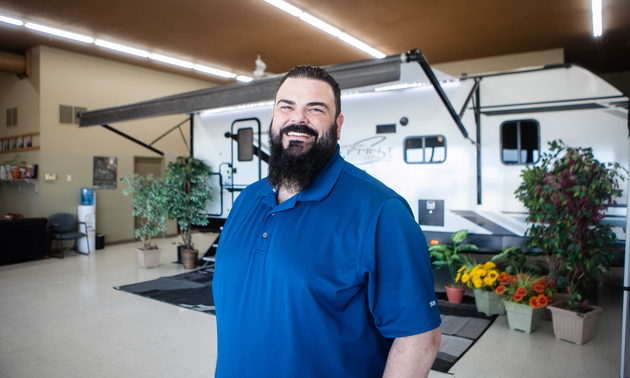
425	149
520	142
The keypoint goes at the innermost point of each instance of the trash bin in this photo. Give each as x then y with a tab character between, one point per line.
100	241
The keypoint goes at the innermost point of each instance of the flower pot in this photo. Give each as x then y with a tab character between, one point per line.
572	326
189	258
546	315
522	317
16	174
489	302
455	294
149	258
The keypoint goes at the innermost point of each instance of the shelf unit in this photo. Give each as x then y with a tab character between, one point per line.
32	135
34	182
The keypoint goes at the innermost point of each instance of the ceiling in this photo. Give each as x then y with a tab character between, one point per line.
228	34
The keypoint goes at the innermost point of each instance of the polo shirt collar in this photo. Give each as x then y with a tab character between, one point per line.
316	191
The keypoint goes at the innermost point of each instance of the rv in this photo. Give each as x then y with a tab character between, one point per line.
454	148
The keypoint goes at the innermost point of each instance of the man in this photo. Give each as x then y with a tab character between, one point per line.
322	270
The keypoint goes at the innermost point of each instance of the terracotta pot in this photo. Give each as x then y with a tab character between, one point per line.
455	294
189	258
16	173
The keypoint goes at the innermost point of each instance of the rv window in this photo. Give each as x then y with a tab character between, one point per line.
520	142
425	149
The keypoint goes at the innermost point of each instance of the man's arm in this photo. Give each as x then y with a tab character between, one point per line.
412	356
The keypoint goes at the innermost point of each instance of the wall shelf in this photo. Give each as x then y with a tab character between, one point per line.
8	141
19	182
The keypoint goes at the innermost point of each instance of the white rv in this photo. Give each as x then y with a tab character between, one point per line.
453	147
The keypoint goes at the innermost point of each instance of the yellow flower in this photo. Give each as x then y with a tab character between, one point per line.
459	275
494	274
465	278
489	265
488	281
478	283
461	269
482	272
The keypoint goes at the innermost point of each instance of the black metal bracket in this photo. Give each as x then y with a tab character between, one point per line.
417	56
108	127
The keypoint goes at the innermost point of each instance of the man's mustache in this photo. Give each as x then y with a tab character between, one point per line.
299	129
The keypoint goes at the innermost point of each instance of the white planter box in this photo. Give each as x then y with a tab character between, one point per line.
149	258
574	327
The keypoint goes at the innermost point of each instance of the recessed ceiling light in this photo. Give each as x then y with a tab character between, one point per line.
59	33
122	48
173	61
596	10
9	20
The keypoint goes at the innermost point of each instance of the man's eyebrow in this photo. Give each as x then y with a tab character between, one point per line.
287	101
322	104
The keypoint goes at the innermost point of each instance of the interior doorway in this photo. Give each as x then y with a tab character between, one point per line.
144	166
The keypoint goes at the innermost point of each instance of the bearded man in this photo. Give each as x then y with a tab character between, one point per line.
321	270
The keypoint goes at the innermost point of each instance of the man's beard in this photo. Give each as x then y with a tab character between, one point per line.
294	169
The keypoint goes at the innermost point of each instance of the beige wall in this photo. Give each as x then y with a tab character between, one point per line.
502	63
23	94
67	150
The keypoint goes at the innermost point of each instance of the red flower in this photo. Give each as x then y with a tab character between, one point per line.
502	277
521	292
533	302
517	297
500	289
539	287
542	300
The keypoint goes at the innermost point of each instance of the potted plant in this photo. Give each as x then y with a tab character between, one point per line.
516	260
149	203
188	195
524	298
483	279
567	195
447	255
12	167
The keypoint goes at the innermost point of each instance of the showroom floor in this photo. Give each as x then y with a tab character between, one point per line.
62	318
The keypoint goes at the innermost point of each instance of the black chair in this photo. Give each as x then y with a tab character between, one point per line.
64	227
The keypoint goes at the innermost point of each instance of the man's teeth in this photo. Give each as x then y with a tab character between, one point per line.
295	133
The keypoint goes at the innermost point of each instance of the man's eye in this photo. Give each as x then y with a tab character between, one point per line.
317	110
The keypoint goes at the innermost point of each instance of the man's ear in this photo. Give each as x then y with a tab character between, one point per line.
339	123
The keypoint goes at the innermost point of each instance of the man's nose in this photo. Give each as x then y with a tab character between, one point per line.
299	116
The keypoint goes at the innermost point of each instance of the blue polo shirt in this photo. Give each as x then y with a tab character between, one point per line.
320	285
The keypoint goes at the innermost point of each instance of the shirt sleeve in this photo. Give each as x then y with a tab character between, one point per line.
395	266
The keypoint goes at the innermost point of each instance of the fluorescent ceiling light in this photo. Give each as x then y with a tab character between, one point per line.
9	20
320	24
173	61
214	71
355	42
294	11
122	48
596	10
395	87
60	33
244	79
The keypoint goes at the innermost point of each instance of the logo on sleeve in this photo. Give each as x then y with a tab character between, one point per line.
432	303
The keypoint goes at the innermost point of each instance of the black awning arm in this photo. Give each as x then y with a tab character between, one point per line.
108	127
417	56
470	96
169	131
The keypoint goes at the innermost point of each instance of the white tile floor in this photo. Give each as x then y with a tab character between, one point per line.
62	318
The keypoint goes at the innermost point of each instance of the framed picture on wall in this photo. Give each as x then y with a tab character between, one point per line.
31	171
13	143
20	142
104	172
28	141
5	144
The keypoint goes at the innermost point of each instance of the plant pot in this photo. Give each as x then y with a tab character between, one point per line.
189	258
546	315
522	317
149	258
572	326
16	174
489	302
455	294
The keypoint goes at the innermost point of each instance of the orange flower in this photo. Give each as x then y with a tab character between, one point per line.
521	292
534	302
539	287
502	277
500	289
542	300
517	297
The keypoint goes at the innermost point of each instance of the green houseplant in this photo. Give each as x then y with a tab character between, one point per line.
567	195
516	260
149	203
188	195
447	255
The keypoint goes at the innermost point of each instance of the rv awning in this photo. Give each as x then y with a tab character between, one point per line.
349	75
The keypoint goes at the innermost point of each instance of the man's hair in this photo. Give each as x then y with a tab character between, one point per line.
315	73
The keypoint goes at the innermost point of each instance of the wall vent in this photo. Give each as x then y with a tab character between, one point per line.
12	117
65	114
